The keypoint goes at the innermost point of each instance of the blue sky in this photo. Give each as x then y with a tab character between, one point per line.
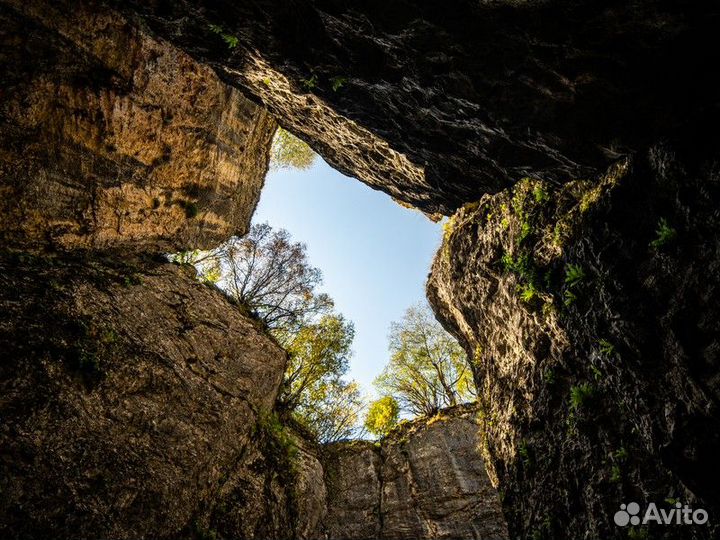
374	254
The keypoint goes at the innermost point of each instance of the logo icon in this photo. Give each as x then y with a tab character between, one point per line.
678	514
628	514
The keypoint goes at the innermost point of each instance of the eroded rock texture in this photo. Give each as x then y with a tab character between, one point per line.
591	314
136	402
111	138
470	97
130	393
426	480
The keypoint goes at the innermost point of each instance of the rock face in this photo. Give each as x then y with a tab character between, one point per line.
468	99
138	403
113	139
130	393
426	480
591	314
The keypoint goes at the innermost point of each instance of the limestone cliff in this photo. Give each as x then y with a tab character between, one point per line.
425	480
137	403
129	396
438	103
110	138
590	313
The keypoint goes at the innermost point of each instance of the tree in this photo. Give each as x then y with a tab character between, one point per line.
382	416
208	268
270	275
290	152
313	387
334	415
428	370
318	353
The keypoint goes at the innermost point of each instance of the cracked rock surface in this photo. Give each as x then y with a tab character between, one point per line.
128	393
425	480
590	315
471	98
111	138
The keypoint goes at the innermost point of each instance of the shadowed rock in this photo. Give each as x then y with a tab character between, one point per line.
590	313
437	104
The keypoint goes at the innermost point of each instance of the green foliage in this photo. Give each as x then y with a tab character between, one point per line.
428	369
318	352
574	275
540	195
132	279
523	265
525	454
606	347
569	298
290	152
335	414
448	227
518	202
337	82
109	337
270	279
269	274
92	345
528	292
581	395
664	234
525	232
230	40
382	416
621	454
280	450
207	266
279	443
313	388
311	83
549	376
619	457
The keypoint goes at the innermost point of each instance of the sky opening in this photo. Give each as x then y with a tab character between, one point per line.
374	254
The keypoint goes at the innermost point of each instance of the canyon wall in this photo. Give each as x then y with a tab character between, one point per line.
129	396
437	104
580	141
425	480
112	139
590	313
580	271
136	401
